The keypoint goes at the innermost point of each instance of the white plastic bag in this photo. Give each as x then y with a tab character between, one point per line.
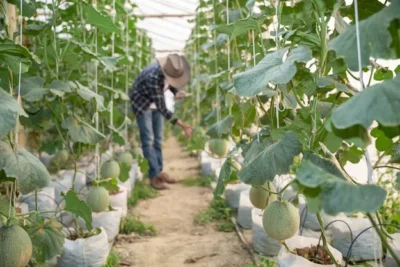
366	247
80	178
262	243
109	220
46	201
62	183
92	251
395	243
287	259
120	200
232	193
244	211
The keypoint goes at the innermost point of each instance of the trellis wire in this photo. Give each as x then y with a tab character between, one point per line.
216	63
111	104
96	117
198	88
126	75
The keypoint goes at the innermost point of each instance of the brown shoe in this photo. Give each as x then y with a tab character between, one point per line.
166	178
158	183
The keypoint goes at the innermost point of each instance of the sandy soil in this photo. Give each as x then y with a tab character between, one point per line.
179	242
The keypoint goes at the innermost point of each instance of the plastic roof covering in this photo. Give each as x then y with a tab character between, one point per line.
169	34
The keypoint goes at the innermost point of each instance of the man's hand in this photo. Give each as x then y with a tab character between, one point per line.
180	95
186	128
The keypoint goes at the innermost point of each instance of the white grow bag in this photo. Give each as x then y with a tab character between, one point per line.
232	193
262	243
88	252
109	220
287	259
244	211
120	200
395	243
46	201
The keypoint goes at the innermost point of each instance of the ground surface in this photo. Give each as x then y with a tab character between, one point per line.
180	242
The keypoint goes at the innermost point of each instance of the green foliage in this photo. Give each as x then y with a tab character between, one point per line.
390	210
134	225
113	260
265	262
141	191
218	212
203	181
78	207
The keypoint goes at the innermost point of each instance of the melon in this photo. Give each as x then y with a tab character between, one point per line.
61	157
110	169
125	157
98	199
281	220
15	246
261	198
218	147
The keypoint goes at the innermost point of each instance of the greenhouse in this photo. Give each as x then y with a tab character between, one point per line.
217	133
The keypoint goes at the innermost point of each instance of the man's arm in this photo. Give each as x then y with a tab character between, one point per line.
157	96
173	90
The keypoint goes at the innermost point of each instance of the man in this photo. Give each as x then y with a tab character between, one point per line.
148	103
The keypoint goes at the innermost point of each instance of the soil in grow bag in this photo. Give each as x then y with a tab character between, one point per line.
315	254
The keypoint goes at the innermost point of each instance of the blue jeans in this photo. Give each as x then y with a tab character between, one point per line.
151	127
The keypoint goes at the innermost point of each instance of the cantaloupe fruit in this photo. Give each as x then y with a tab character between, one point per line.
98	199
261	198
61	157
218	147
110	169
281	220
125	157
15	246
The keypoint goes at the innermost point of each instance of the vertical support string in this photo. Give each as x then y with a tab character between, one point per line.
126	77
216	62
96	89
198	88
229	40
114	14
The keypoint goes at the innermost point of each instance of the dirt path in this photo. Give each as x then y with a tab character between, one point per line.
179	242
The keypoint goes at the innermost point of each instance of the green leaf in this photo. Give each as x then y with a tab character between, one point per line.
338	195
382	142
222	127
227	174
9	109
25	167
32	89
8	47
256	148
380	102
80	131
109	63
59	88
383	74
78	207
109	184
143	164
325	164
397	185
242	26
88	95
274	160
124	175
28	6
47	237
271	68
375	38
356	134
116	137
98	19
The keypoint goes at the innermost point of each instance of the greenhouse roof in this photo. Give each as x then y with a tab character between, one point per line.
166	22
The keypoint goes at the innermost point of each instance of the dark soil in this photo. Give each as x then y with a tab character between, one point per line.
315	254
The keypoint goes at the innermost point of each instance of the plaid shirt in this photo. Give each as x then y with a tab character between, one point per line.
149	88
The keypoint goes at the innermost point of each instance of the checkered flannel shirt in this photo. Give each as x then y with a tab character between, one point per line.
149	88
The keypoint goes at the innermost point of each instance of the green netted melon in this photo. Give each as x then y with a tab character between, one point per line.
281	220
98	199
110	169
261	198
61	157
218	147
15	247
125	157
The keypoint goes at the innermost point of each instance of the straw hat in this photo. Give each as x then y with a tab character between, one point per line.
176	70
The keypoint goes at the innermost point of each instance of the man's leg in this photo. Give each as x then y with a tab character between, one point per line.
158	130
147	139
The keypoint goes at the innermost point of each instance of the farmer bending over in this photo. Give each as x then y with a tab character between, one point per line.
148	103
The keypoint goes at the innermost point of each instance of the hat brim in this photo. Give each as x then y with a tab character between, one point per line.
176	82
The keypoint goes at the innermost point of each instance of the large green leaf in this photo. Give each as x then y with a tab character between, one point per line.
272	68
276	159
242	26
98	19
47	237
88	95
28	6
9	108
32	89
8	47
222	127
338	195
380	102
255	148
227	174
80	131
78	207
25	167
375	38
326	164
59	88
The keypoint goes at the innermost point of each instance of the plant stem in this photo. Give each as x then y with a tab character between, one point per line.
387	166
324	240
384	240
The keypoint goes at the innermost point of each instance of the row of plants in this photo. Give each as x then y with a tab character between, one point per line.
301	88
65	126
